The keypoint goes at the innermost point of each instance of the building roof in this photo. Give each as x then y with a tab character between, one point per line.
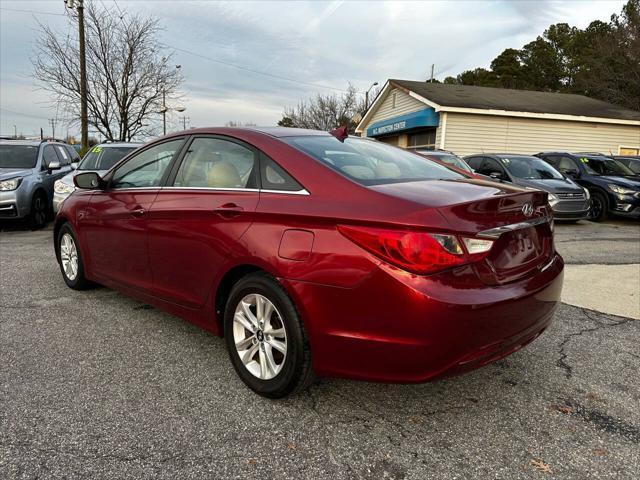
488	98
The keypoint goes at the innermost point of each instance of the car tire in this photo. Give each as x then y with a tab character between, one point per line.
263	368
39	212
69	253
599	207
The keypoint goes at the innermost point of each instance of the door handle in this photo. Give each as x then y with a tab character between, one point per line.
138	212
228	210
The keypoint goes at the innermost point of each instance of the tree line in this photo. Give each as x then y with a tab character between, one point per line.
601	61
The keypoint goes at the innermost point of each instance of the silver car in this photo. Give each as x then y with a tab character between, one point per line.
28	170
99	159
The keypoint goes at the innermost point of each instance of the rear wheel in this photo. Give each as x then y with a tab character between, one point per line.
265	337
599	207
39	210
71	259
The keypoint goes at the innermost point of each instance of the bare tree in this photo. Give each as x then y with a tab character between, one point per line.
127	74
324	112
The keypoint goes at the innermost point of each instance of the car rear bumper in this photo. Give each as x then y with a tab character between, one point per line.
399	327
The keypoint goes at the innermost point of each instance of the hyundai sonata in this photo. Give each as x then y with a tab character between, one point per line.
321	254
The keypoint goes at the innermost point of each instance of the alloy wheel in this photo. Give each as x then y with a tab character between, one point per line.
69	256
259	336
39	211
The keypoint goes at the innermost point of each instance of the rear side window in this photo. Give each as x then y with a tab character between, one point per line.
274	177
75	158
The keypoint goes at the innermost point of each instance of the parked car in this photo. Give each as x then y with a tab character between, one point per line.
309	253
615	189
632	163
568	200
28	170
447	158
99	159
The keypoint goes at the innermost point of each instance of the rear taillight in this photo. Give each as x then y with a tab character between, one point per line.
418	252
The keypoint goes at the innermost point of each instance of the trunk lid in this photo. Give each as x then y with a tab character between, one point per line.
518	220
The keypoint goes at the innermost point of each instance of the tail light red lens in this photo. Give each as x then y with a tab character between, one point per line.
417	252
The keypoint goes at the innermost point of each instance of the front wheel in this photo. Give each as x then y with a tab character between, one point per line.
265	337
39	209
70	259
599	207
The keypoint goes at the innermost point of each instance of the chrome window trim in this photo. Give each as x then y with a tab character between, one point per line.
222	189
498	231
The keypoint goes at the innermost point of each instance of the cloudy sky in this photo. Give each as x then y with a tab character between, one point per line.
245	61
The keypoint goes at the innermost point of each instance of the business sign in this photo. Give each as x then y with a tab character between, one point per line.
426	117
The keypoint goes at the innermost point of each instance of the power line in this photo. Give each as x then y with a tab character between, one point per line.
257	72
119	9
34	12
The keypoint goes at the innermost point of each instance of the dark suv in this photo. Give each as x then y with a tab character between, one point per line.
569	201
615	189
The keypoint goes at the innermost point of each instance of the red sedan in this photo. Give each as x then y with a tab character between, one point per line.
312	253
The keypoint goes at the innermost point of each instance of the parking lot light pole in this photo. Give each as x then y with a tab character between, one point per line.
84	123
366	96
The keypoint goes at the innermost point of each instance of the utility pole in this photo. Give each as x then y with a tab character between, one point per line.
433	65
184	122
164	112
84	121
15	132
52	122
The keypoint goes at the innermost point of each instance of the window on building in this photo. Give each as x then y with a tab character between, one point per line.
426	140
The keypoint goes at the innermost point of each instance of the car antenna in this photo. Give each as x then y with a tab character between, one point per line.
341	133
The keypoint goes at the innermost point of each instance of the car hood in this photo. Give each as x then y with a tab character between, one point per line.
550	185
631	182
7	173
68	178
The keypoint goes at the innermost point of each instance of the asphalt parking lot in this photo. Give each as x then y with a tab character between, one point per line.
94	384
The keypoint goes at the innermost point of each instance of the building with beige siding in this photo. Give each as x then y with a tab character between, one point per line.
468	119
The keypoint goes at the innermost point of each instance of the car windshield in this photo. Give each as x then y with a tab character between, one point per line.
531	168
455	161
103	158
18	156
369	162
605	166
632	164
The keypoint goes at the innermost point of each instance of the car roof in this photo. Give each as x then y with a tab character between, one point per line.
32	143
119	144
277	132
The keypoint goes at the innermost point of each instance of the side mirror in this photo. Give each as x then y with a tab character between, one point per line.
54	166
496	175
74	165
88	180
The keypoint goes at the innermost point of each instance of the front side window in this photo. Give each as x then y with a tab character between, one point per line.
605	166
65	158
530	168
369	162
18	156
147	168
49	155
217	163
474	162
103	158
490	166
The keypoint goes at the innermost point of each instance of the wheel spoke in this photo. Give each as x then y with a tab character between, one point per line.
242	320
278	345
249	314
259	299
264	368
248	355
243	344
268	355
278	332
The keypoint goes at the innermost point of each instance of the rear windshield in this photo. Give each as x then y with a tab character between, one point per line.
605	166
530	167
18	156
369	162
103	158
